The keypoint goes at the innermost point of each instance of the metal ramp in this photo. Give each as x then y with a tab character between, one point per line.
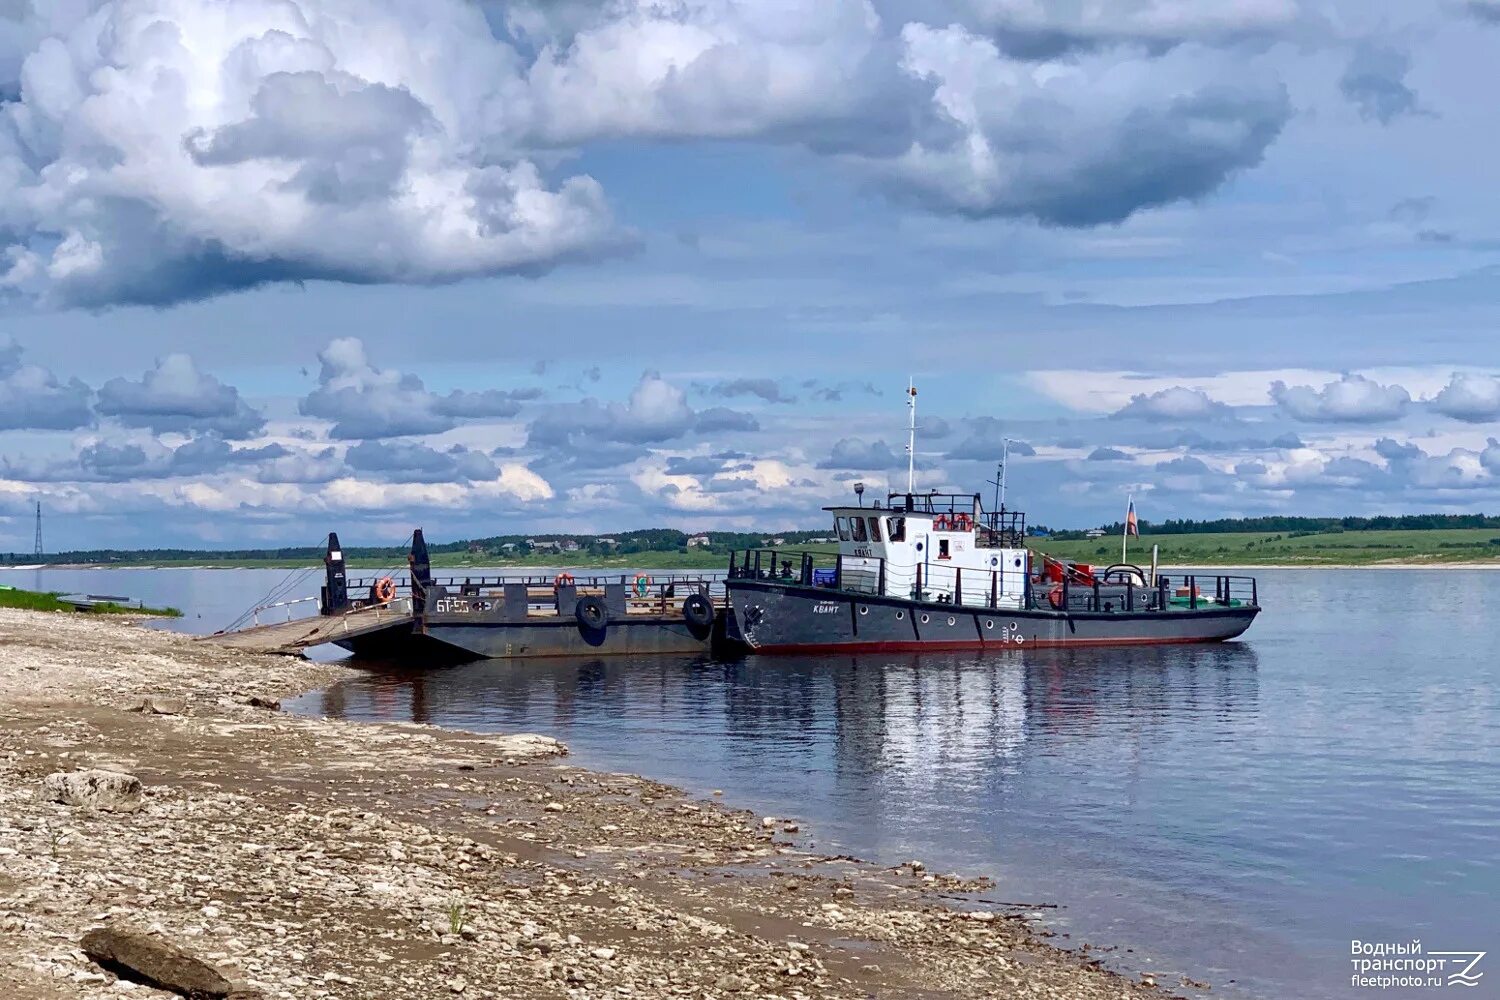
292	637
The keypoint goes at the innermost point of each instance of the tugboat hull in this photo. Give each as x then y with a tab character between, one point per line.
770	617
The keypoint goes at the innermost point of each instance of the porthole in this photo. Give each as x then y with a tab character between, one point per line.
925	619
1018	561
952	620
989	623
994	560
864	609
900	615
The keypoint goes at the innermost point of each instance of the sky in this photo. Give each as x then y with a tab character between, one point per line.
270	268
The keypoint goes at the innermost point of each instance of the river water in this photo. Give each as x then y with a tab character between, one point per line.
1237	813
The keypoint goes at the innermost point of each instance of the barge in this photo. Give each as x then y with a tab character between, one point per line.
415	617
937	571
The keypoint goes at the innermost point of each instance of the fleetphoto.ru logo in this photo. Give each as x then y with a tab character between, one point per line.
1385	965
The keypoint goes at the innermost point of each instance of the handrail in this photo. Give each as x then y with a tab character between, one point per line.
255	611
935	582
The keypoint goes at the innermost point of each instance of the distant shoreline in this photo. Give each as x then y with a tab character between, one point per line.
689	567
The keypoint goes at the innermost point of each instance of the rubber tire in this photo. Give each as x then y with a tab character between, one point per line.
591	613
698	611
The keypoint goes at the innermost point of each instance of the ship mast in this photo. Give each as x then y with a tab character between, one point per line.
911	437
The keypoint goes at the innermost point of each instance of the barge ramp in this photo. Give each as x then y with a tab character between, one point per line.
292	638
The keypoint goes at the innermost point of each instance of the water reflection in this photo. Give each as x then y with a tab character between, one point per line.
927	715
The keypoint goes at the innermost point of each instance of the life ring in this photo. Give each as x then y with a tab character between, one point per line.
384	590
562	580
1055	597
642	585
941	524
960	522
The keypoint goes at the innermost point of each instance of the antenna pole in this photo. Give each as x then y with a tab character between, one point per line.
1004	467
38	548
911	437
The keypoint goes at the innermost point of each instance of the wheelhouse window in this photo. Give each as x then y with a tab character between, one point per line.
943	549
896	529
874	529
842	524
858	524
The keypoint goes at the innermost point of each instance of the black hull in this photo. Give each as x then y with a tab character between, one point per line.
447	642
789	617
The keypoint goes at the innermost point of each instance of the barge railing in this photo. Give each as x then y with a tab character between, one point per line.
1000	587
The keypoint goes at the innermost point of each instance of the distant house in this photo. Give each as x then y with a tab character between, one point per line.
698	542
606	541
476	549
508	547
538	545
568	545
1094	533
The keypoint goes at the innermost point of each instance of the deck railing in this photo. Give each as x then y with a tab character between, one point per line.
997	587
663	588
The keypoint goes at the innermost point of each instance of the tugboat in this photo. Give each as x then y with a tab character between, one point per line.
938	571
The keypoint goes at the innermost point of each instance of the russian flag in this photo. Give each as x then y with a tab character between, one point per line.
1131	526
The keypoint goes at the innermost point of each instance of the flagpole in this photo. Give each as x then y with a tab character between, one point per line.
1125	531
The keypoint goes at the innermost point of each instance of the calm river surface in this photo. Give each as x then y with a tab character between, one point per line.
1235	813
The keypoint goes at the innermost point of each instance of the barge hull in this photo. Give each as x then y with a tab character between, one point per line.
565	637
792	618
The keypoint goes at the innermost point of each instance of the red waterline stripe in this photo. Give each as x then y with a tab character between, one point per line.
914	646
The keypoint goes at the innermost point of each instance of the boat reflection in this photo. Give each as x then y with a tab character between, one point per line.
920	713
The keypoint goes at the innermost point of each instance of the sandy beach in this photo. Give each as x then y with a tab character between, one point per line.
308	858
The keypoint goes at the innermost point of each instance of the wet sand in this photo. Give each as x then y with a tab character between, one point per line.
312	858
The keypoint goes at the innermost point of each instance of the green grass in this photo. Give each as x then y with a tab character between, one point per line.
1360	548
32	601
1439	545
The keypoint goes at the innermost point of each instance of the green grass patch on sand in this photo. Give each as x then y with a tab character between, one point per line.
30	600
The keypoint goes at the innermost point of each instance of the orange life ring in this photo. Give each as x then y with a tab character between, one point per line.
960	522
941	524
562	580
1055	597
385	590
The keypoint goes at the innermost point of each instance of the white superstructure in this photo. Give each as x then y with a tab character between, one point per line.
931	547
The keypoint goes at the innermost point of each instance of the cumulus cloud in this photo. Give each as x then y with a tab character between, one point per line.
32	398
1042	30
161	150
1487	11
1471	398
1351	399
596	434
367	402
1083	141
765	388
171	149
1102	454
1177	403
409	462
176	396
1375	83
856	455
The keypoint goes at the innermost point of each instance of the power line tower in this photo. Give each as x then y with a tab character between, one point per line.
38	552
